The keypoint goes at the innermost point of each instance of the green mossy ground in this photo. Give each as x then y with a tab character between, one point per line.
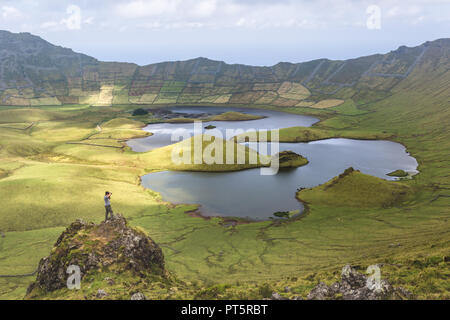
289	159
357	190
210	147
301	134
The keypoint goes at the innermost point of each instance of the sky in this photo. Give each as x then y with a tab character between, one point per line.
254	32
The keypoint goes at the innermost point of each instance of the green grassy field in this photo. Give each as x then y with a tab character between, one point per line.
56	169
352	189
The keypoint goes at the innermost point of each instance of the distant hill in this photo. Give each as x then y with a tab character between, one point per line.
35	72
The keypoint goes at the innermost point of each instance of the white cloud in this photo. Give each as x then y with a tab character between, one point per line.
243	14
408	11
284	14
89	20
10	12
141	8
73	21
394	11
49	24
172	26
221	13
151	25
204	8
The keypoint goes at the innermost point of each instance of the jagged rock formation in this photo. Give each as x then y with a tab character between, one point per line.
92	247
357	286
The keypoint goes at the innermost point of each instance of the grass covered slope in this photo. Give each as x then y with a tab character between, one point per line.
318	132
122	123
290	159
212	156
355	189
120	129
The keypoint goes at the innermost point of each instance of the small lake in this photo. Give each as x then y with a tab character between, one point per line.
162	132
247	194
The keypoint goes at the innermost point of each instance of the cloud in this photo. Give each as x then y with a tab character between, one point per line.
255	14
150	8
408	11
10	12
73	21
49	24
219	14
237	30
204	8
89	20
170	10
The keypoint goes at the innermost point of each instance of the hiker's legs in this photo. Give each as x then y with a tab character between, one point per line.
108	211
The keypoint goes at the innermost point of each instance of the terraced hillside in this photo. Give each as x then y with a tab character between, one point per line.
35	72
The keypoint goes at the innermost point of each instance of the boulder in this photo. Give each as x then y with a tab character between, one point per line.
277	296
357	286
93	247
101	294
138	296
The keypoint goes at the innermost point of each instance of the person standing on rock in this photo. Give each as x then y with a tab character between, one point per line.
108	205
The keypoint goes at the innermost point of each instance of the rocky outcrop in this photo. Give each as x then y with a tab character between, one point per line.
357	286
353	286
91	247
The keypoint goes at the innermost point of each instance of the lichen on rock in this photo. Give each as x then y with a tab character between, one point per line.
110	245
357	286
